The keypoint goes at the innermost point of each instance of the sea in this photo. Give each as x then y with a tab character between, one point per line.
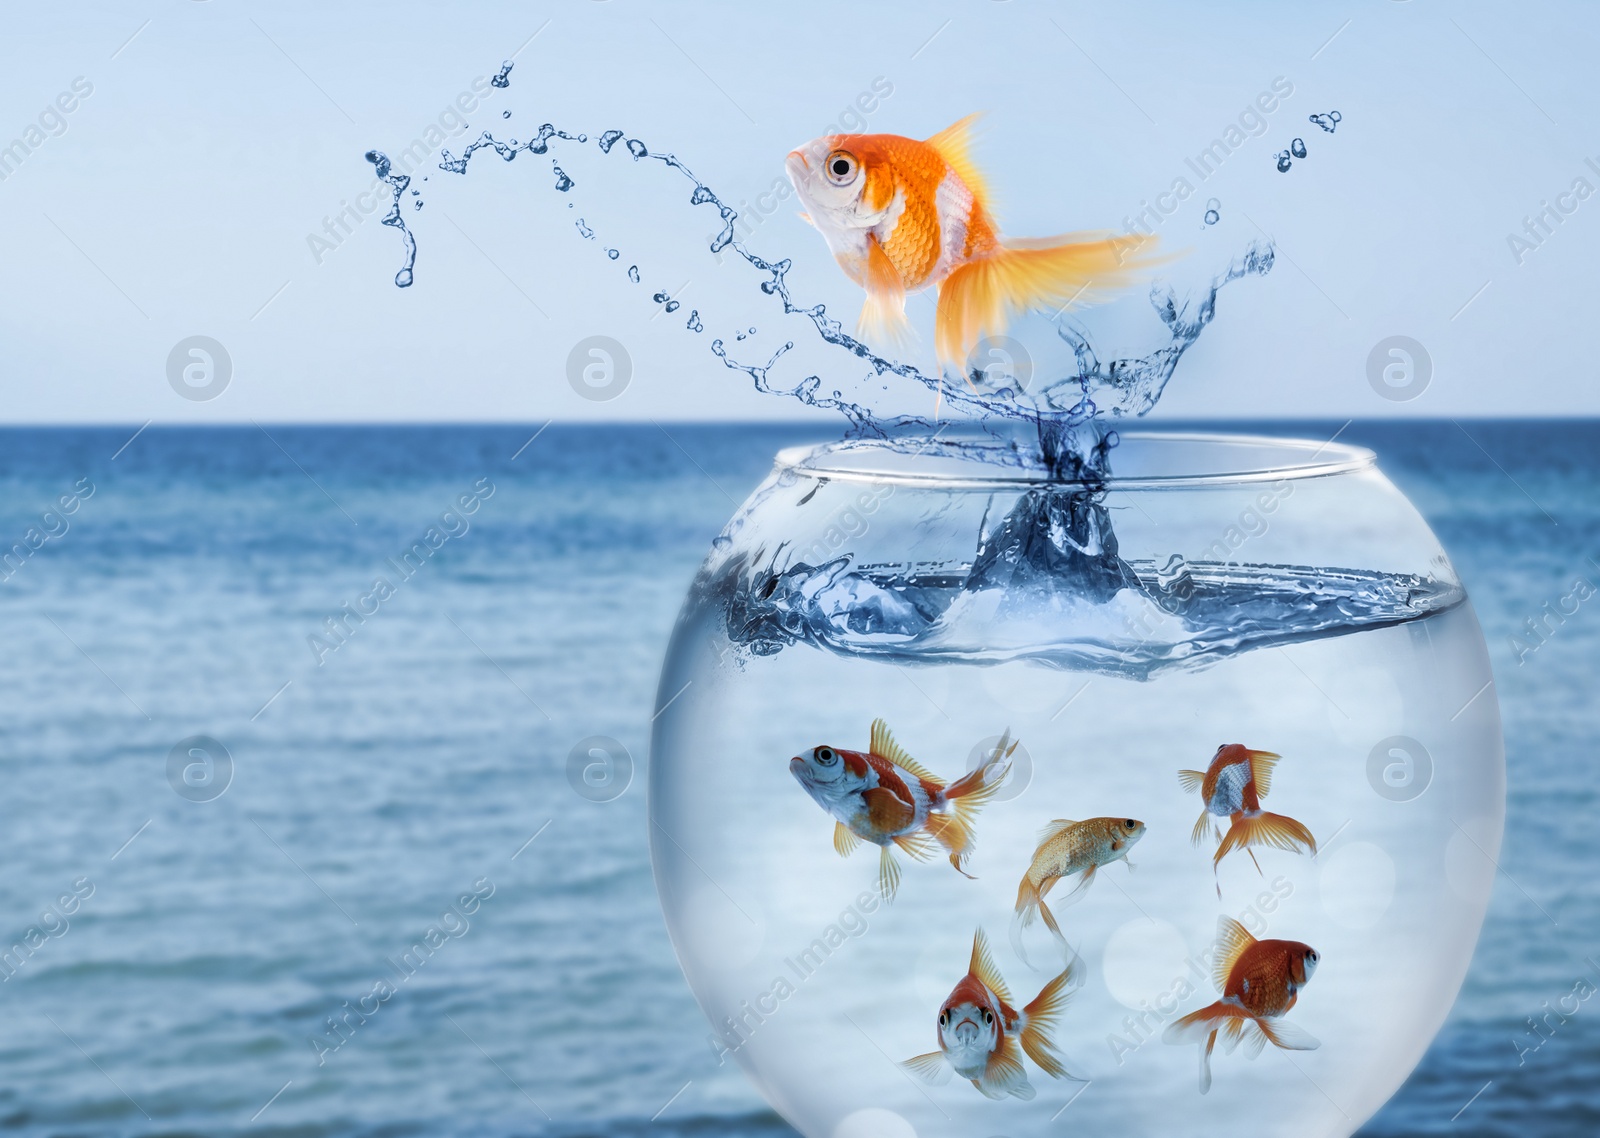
325	748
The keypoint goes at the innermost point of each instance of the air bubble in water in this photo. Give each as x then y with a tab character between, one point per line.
1213	211
613	253
505	114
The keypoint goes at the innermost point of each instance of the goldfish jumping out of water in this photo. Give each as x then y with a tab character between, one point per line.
1260	980
979	1031
1233	786
1066	848
900	215
885	797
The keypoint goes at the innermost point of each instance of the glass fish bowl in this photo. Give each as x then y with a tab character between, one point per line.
987	803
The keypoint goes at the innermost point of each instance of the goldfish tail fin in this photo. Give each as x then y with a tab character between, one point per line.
844	839
888	874
930	1068
1191	781
1266	829
980	297
1202	1027
1039	1022
955	830
1287	1035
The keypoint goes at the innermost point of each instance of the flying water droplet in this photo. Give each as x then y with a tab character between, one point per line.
613	253
563	183
1213	211
694	324
637	149
633	273
505	114
1328	122
1283	162
608	140
585	230
1298	148
504	78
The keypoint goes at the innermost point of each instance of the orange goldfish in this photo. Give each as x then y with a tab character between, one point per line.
883	796
1066	848
1233	786
1260	980
901	215
979	1031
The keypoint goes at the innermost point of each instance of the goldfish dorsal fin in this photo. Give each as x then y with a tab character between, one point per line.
1261	764
983	968
884	746
954	145
1054	830
1232	941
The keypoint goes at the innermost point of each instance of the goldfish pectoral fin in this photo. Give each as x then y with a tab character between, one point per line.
1288	1036
845	840
1261	764
1190	780
806	217
888	874
930	1068
1078	890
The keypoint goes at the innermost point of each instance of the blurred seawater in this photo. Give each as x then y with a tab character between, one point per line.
425	758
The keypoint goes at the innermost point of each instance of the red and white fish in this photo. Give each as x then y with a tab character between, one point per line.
1260	981
885	797
980	1033
900	215
1233	787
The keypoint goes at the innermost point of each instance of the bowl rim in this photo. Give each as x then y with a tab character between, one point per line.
887	462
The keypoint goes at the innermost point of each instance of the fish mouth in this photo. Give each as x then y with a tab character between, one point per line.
966	1032
797	767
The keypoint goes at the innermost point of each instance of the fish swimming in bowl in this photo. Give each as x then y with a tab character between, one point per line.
1233	787
1260	981
1065	849
901	214
884	796
982	1037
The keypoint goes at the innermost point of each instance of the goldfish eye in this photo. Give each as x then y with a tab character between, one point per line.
841	167
1312	956
988	1016
1131	824
944	1019
826	757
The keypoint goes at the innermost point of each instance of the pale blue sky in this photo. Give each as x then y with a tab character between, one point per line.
177	197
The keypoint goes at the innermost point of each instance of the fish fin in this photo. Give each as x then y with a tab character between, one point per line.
982	966
1077	892
806	217
1029	901
1288	1036
1039	1022
883	319
919	845
953	833
887	812
1203	1027
884	746
1004	1074
1261	764
1202	828
1205	1064
1191	781
888	874
1266	829
845	840
965	797
1054	830
1240	1029
930	1068
981	296
1232	941
954	145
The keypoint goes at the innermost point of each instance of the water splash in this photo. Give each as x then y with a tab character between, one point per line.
1328	122
1298	148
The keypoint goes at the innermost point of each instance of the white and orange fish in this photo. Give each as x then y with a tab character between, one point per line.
1260	980
901	215
1067	848
885	797
980	1032
1233	787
